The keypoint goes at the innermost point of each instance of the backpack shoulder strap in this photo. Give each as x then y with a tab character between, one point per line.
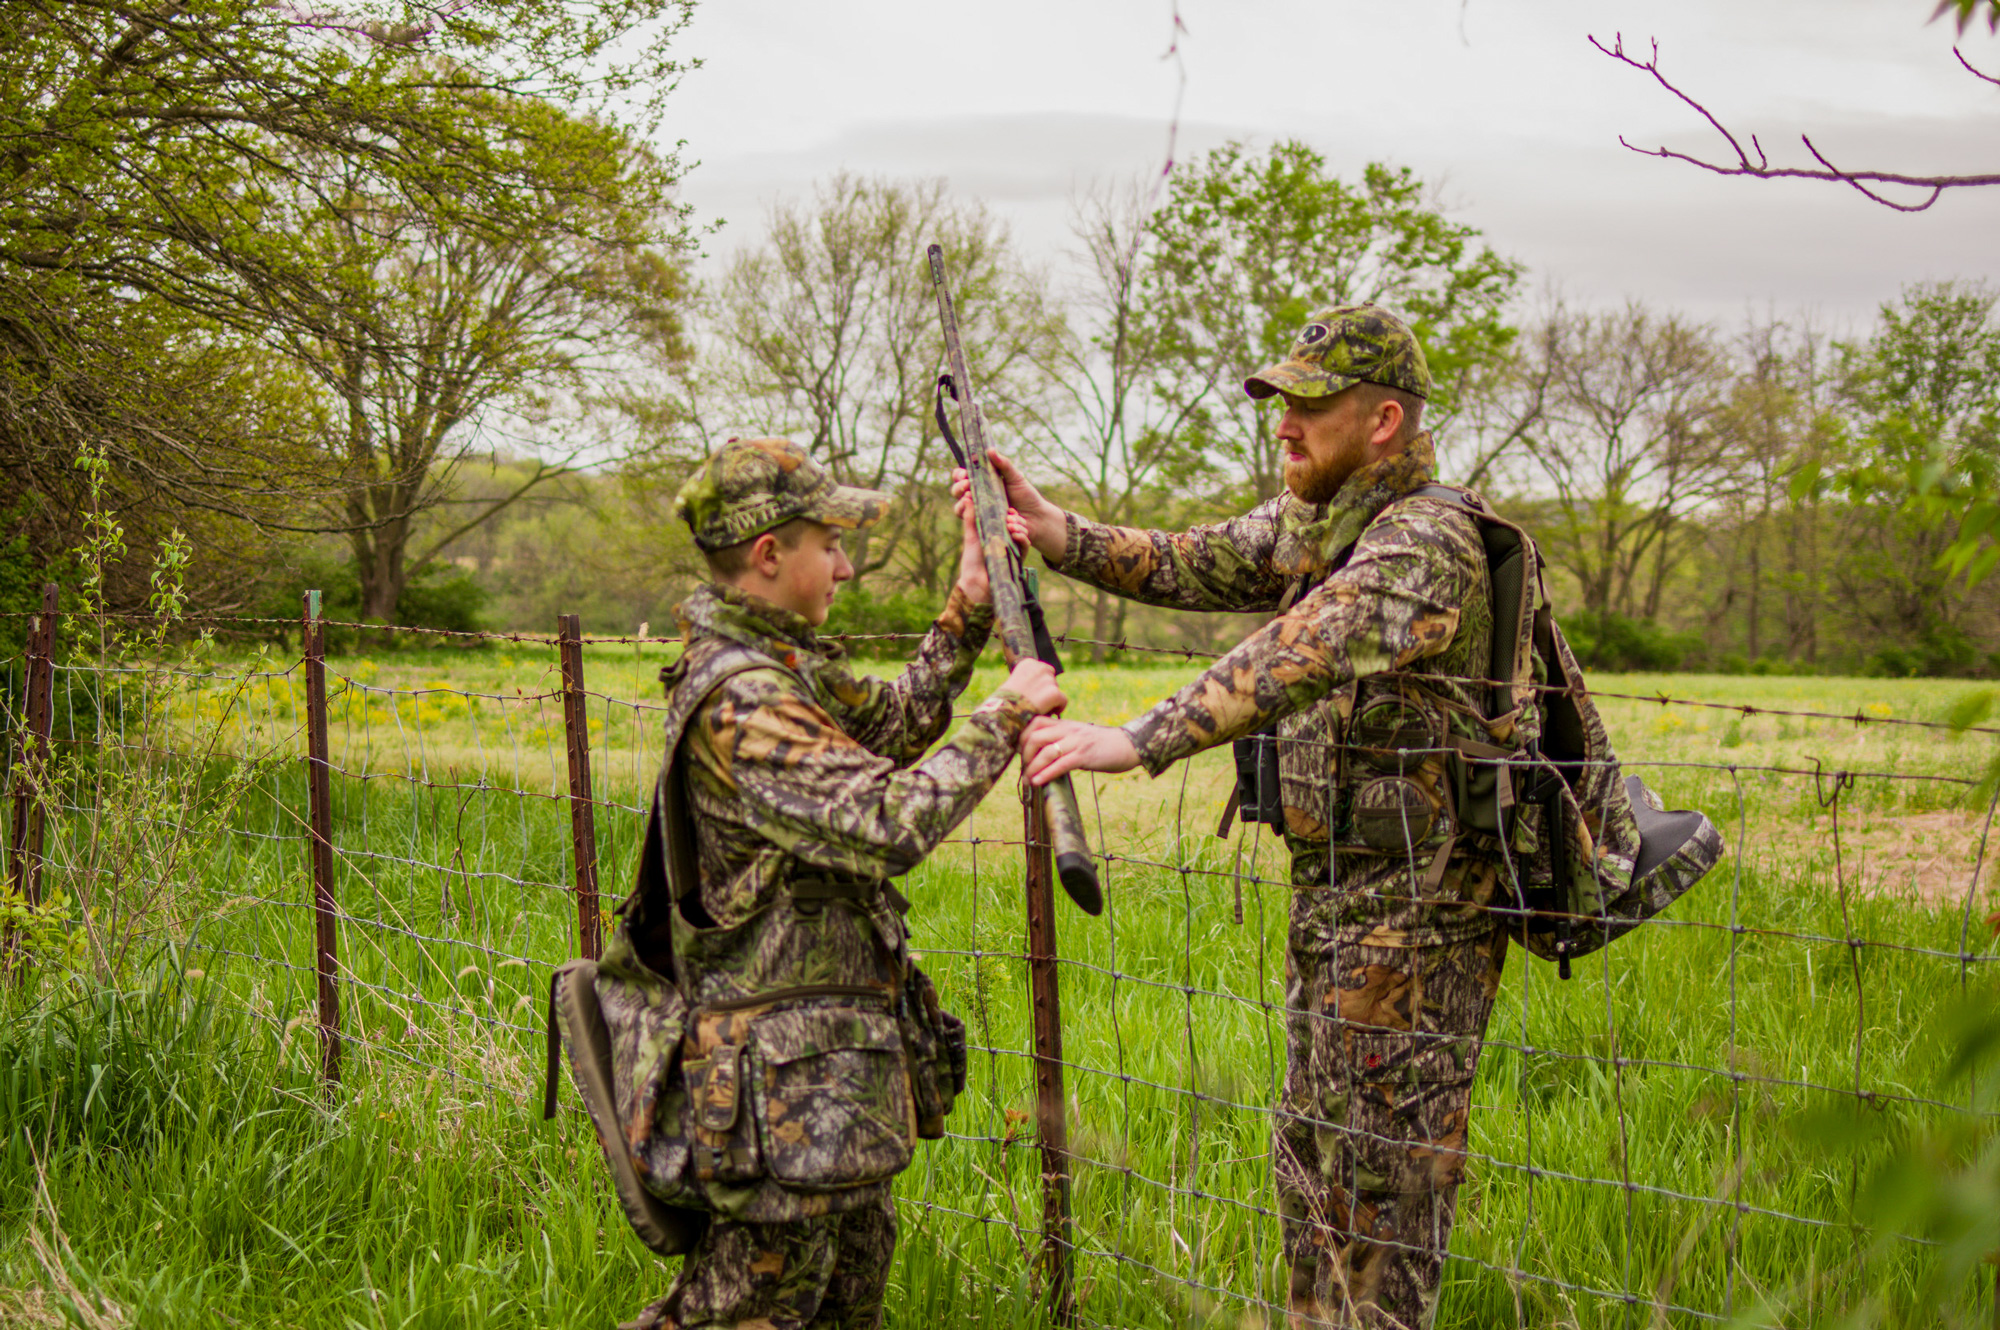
1513	570
668	867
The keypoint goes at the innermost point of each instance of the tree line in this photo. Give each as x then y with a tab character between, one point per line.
402	304
1770	496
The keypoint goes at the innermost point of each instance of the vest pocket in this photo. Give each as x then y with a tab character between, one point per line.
716	1092
832	1101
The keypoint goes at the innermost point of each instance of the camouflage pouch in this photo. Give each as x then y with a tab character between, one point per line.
607	1034
1394	765
935	1042
646	1020
718	1072
830	1097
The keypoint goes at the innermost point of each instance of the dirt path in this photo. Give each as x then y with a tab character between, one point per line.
1925	857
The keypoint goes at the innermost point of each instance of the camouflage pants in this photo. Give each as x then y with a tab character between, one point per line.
1368	1148
827	1273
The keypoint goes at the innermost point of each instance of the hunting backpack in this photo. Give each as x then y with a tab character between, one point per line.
1590	851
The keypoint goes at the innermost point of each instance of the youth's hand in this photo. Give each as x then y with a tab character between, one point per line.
972	580
1035	681
1052	748
1046	525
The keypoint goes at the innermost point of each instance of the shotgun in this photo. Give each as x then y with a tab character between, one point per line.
1023	631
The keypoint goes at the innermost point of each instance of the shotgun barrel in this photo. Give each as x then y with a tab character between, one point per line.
1016	612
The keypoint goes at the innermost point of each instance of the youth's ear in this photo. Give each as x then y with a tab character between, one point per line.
764	554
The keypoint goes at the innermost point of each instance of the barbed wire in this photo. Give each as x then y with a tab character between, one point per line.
1858	717
449	880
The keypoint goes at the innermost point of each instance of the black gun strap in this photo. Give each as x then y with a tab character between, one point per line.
944	386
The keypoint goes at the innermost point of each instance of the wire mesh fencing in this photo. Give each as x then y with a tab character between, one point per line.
386	852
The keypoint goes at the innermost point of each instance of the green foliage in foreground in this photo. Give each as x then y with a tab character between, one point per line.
176	1138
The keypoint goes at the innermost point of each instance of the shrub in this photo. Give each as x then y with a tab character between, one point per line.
1941	651
1615	642
858	610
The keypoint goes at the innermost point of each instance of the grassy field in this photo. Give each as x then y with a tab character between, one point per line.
170	1160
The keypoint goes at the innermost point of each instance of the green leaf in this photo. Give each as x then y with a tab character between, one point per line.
1970	710
1983	565
1978	519
1805	482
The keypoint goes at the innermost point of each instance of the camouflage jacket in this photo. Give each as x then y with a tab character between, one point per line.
806	766
805	790
1399	629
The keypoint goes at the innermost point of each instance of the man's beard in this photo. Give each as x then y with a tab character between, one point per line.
1317	482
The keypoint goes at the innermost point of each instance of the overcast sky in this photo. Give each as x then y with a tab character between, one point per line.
1505	105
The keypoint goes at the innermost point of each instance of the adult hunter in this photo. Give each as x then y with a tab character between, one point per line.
809	1061
1393	962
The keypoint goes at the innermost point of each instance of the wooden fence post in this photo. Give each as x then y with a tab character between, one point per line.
1051	1123
319	811
31	756
582	812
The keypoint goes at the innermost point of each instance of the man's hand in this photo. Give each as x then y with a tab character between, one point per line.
1052	748
972	582
1046	525
1035	681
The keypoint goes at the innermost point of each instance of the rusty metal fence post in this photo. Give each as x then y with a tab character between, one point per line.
319	812
32	752
1058	1258
582	812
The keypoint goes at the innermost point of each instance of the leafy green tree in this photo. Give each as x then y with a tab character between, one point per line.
456	325
1920	465
1246	246
1769	544
1619	431
165	169
1117	449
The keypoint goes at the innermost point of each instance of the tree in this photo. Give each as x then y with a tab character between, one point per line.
1919	464
1117	447
1625	437
829	334
455	322
1868	182
1245	247
1779	421
161	168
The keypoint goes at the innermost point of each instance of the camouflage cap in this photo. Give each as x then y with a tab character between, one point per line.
748	486
1343	346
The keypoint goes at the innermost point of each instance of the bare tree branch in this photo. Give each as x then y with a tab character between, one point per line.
1977	73
1762	169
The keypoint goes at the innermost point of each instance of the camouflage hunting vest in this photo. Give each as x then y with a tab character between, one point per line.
806	1096
1492	750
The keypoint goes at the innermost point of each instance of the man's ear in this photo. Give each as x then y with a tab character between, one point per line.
1388	423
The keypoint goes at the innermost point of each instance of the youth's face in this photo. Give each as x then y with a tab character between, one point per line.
1325	441
809	574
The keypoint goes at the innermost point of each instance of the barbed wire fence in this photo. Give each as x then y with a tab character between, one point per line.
389	868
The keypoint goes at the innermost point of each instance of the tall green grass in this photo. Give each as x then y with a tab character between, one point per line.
1638	1140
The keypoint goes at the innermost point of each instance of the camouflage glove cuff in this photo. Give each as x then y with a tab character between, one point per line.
974	620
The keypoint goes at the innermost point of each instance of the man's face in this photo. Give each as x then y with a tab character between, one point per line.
1325	441
809	573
